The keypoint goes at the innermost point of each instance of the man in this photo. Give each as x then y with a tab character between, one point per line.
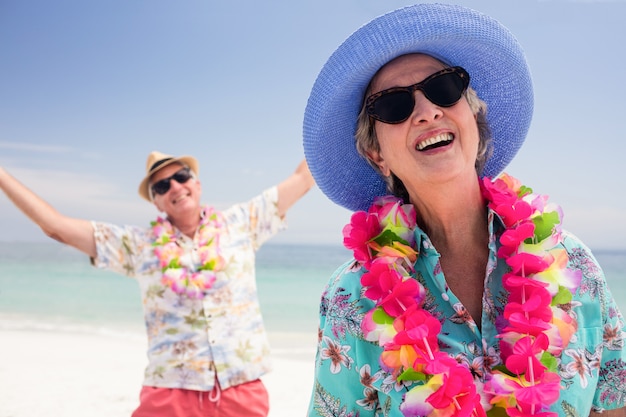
207	346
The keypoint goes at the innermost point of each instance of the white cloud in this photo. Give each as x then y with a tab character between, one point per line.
32	147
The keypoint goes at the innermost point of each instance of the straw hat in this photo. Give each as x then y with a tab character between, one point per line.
453	34
156	161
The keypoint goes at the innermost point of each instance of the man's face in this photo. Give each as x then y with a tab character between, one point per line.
181	196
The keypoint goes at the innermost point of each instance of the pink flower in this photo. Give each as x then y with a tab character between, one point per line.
383	204
533	398
507	341
395	217
513	184
512	238
176	279
523	323
562	329
417	332
385	286
512	282
440	363
167	280
404	295
520	397
532	301
526	354
505	201
162	231
208	251
378	327
217	263
168	255
391	210
513	214
558	275
498	192
203	279
526	264
415	343
418	327
194	292
362	228
457	394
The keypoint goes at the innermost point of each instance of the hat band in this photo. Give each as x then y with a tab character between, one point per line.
158	164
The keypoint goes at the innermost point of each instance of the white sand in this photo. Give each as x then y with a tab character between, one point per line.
62	374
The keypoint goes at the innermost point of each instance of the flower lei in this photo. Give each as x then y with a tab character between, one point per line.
535	329
186	279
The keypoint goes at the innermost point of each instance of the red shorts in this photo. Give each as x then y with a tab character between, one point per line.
249	399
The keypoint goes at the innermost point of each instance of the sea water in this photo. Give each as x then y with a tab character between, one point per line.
48	286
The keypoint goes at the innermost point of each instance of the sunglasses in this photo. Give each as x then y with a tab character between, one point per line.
394	105
181	176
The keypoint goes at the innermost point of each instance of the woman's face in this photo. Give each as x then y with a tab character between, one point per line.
435	144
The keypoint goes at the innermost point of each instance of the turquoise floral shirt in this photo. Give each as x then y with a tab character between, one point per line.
349	381
190	341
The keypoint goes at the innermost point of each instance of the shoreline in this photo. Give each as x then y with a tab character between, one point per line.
75	373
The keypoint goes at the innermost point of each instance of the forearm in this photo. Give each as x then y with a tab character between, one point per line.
74	232
35	208
620	412
294	187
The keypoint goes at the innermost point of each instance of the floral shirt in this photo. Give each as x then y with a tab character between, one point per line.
191	341
350	382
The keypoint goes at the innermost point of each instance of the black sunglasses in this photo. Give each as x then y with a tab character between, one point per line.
181	176
394	105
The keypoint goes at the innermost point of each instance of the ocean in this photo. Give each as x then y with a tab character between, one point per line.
48	286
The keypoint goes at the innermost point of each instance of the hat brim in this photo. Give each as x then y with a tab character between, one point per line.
187	160
453	34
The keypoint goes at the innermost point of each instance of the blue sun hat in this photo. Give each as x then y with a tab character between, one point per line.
453	34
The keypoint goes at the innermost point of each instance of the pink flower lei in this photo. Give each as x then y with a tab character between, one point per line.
535	330
182	277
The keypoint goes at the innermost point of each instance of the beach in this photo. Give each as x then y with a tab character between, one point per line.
67	374
73	342
72	338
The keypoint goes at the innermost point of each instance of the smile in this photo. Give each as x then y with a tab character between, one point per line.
435	142
179	198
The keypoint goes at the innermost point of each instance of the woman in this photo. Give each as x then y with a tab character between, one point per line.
465	295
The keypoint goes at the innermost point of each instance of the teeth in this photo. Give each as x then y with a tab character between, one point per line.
444	137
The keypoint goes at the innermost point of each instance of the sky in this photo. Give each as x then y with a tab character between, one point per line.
89	88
